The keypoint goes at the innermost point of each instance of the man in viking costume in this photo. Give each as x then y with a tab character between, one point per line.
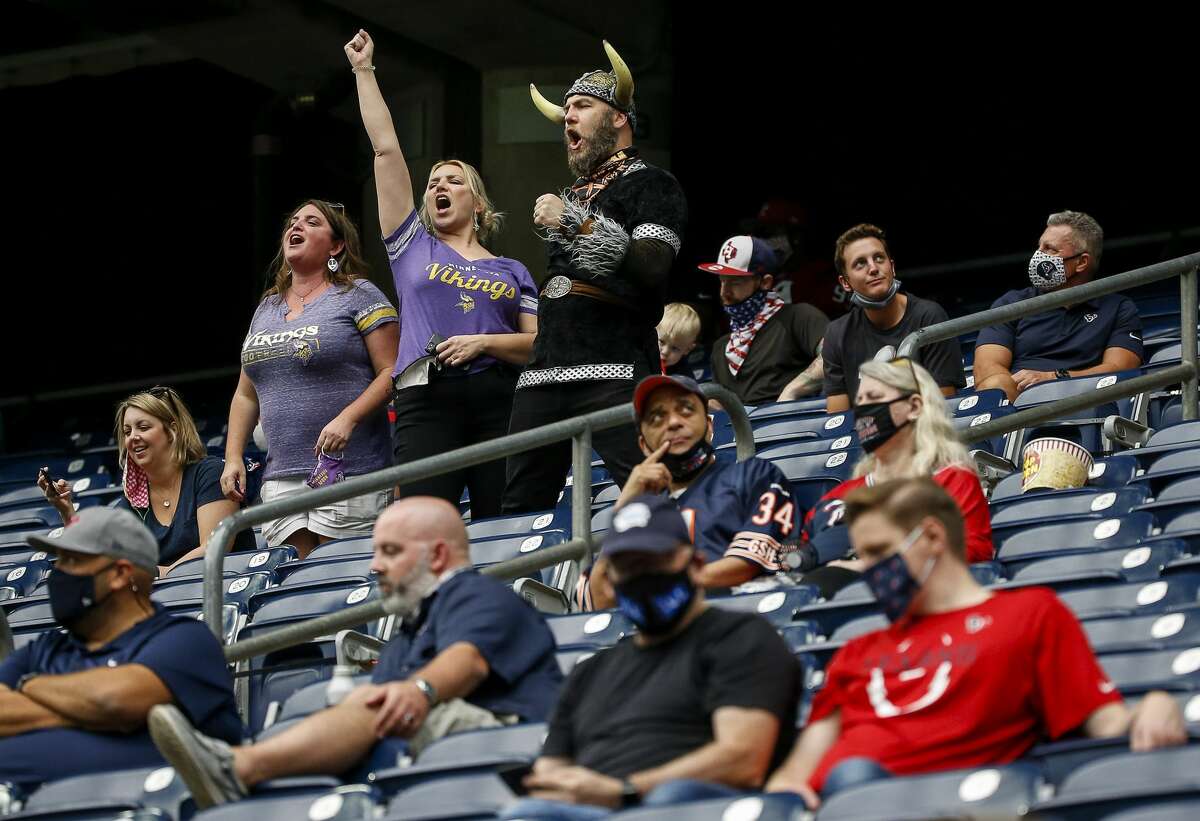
611	239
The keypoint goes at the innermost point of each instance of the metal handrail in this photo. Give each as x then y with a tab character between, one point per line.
1182	267
578	429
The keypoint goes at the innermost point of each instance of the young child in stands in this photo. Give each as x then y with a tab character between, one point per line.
677	335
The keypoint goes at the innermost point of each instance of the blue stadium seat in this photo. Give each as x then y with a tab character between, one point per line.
767	410
1178	497
1184	526
1165	440
1174	592
1112	472
807	492
1158	631
238	589
837	465
258	561
1075	537
768	807
804	447
341	568
29	518
1123	782
801	427
458	797
973	403
994	445
1183	810
105	795
567	659
859	627
353	802
992	792
600	629
521	524
493	551
1126	564
1169	468
1044	508
22	578
357	546
799	635
777	606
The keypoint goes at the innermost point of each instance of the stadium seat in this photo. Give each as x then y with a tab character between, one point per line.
774	429
1159	631
105	795
601	629
357	546
1075	537
493	551
29	518
521	524
1112	472
1178	497
22	578
1167	440
469	796
1183	810
807	492
1090	503
1131	564
804	447
768	807
992	792
1175	668
994	445
259	561
777	606
838	465
1171	593
767	410
353	802
1123	782
339	568
972	403
1169	468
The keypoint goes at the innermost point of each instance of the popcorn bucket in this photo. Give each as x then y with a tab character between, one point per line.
1051	463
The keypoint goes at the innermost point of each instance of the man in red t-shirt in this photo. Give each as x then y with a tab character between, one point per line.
964	676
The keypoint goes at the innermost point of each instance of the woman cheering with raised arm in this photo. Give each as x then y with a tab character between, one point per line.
467	317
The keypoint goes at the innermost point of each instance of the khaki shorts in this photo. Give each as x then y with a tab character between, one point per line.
454	716
340	520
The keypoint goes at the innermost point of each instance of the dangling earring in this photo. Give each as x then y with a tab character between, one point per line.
475	220
333	264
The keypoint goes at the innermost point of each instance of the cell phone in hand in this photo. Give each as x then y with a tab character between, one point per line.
51	482
514	774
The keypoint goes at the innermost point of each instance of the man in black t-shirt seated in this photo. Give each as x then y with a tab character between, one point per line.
699	704
471	654
880	314
773	349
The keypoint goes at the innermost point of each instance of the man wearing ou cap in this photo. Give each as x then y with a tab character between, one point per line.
697	705
470	654
739	514
773	349
75	701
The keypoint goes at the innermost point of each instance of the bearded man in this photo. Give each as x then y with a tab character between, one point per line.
611	239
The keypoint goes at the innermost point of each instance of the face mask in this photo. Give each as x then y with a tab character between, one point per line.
655	602
1047	271
743	313
874	425
72	596
689	464
876	304
891	582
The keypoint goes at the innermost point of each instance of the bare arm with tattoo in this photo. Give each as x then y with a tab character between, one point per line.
808	381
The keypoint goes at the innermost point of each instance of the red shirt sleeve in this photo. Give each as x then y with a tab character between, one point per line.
963	485
1070	684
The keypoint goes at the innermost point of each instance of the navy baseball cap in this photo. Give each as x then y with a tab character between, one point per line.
646	524
652	383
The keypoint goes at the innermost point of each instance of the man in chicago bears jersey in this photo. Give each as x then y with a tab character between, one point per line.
740	513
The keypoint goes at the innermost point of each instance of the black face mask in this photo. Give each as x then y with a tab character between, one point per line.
874	425
655	602
71	596
687	465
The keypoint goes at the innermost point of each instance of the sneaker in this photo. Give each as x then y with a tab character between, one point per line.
205	764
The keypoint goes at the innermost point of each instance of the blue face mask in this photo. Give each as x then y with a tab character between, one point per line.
655	602
71	596
893	584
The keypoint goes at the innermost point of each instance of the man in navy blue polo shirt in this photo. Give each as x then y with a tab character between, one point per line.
1100	335
740	513
75	701
471	654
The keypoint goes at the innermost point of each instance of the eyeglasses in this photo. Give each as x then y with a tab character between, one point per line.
166	394
339	206
904	360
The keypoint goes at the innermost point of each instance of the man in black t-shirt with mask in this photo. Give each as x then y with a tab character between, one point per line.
881	315
699	704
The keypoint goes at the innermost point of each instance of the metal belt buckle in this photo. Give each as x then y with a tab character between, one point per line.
558	286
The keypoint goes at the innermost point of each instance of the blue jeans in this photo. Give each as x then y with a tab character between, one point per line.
851	772
672	792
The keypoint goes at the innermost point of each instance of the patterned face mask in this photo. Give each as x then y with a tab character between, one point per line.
1047	271
892	583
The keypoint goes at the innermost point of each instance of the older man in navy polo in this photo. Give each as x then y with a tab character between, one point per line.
471	654
1096	336
75	701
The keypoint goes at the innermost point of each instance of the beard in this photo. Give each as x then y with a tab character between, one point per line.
410	591
599	147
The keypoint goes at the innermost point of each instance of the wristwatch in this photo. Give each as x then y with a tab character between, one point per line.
630	797
427	690
23	680
1062	373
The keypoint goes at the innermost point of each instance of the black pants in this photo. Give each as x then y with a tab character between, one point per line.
449	413
536	477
